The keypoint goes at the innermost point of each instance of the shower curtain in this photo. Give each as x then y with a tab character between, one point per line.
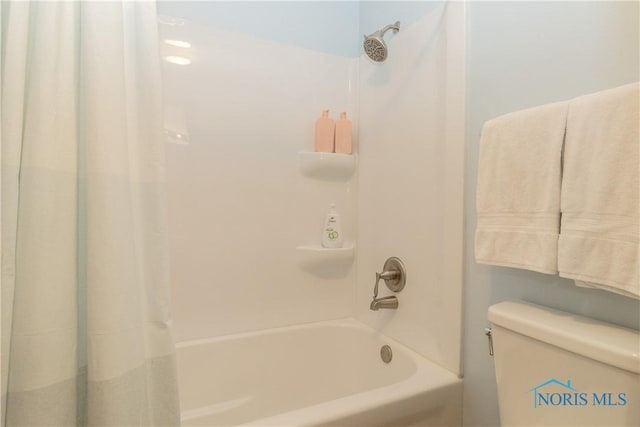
86	337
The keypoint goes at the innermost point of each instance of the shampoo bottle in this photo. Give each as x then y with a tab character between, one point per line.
343	135
325	130
332	231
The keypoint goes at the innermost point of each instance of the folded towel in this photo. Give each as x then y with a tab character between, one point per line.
518	193
599	241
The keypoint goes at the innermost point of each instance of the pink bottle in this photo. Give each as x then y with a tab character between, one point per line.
343	135
325	130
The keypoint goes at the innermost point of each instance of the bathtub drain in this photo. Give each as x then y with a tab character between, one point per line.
386	354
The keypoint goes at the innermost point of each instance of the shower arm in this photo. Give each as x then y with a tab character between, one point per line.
395	27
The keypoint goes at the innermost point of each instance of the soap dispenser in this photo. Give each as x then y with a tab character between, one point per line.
343	134
325	131
332	231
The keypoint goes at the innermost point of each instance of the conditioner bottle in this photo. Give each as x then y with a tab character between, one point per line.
343	135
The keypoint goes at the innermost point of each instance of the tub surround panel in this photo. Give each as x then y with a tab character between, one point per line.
239	204
323	26
410	182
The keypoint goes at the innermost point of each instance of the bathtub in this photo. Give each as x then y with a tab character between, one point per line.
325	373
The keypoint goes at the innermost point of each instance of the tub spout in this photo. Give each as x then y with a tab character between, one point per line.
386	302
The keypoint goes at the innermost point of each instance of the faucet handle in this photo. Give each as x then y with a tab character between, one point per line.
375	288
388	275
385	275
393	274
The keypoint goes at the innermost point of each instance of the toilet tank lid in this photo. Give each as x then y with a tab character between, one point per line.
601	341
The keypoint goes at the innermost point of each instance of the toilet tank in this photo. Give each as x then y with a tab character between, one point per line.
558	369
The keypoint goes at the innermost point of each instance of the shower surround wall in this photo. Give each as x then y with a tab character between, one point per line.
410	174
260	75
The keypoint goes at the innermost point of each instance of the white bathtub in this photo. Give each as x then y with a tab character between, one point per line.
326	373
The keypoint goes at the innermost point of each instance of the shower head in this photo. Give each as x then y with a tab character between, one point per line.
374	45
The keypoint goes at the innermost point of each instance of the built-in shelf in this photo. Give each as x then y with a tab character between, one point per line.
329	166
316	259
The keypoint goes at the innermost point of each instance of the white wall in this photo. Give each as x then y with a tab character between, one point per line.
522	54
238	203
411	174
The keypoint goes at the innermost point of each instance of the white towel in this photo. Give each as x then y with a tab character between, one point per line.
599	241
518	193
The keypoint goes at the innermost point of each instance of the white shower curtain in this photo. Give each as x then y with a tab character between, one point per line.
86	336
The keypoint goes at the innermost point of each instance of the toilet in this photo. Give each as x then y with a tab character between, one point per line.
558	369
